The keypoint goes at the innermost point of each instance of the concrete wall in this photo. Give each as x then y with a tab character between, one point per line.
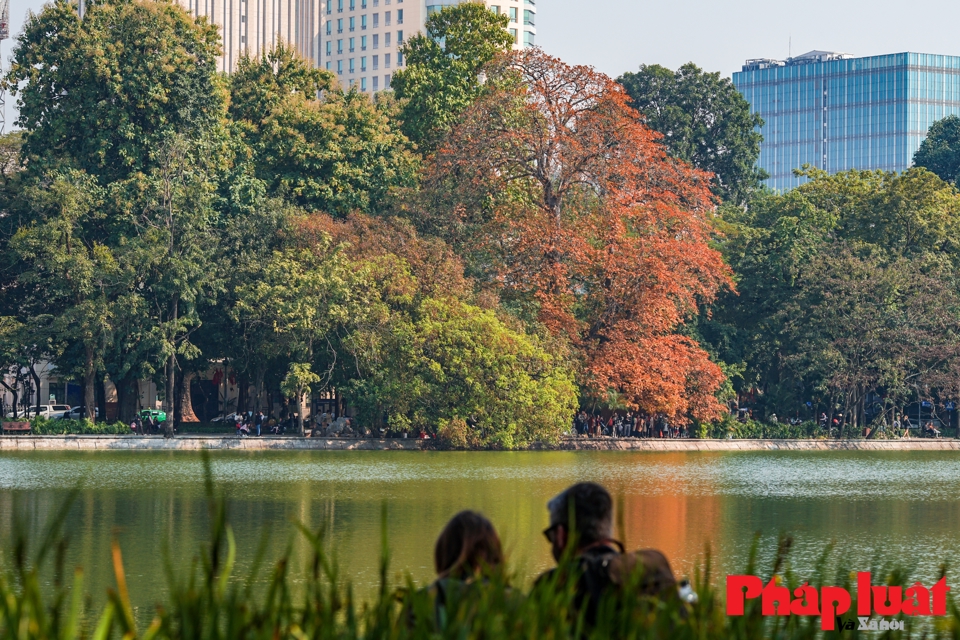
196	443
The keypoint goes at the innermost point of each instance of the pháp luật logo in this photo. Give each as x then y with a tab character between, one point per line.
830	603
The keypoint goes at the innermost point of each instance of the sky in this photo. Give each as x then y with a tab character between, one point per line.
615	36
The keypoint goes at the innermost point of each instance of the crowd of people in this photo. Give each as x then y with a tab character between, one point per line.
580	535
628	425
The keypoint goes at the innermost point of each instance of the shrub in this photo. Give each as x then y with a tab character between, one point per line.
730	427
45	427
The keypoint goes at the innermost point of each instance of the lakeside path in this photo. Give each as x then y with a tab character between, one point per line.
232	443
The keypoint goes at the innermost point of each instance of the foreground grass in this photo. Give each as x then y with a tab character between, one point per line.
213	602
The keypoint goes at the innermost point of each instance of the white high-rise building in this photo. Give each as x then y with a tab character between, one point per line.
358	40
255	26
361	38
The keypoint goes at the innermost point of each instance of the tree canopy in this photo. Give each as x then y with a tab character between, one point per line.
847	291
704	121
318	146
568	205
940	150
442	76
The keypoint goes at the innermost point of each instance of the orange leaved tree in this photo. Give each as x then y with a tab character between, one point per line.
560	197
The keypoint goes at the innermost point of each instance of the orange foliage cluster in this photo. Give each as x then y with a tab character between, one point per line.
574	206
438	270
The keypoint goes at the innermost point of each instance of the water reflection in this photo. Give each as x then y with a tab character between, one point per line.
875	506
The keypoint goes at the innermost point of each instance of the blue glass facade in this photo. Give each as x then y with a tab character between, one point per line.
850	113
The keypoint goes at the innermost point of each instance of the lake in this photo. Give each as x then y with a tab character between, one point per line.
876	507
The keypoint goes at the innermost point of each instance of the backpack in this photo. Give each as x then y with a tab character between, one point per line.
607	570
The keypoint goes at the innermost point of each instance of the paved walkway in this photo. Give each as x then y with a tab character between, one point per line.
195	443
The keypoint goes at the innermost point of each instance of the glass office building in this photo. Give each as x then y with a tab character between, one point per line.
837	112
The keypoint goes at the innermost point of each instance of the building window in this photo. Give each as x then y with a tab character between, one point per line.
243	19
353	23
513	34
495	8
328	65
352	82
399	58
363	64
386	61
363	43
339	25
363	84
528	38
353	66
376	41
376	82
329	6
376	3
386	81
376	20
376	62
329	27
386	18
399	38
363	21
329	48
363	4
353	5
528	17
339	67
399	16
340	6
386	40
351	45
513	14
339	46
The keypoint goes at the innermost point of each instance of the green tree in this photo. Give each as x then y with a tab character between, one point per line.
940	150
129	95
444	362
319	147
101	93
69	277
338	155
443	67
704	120
305	297
842	284
260	84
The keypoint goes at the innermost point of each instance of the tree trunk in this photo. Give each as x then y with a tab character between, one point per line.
168	397
302	402
89	392
242	393
128	395
224	388
36	380
186	398
258	375
101	391
14	393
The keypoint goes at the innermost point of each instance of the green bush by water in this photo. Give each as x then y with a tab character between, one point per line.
45	427
729	427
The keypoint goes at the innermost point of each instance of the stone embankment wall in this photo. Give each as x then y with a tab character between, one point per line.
196	443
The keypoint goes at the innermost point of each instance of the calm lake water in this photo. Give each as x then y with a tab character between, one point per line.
876	507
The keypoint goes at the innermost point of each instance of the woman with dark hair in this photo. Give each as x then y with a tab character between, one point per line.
467	548
467	556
